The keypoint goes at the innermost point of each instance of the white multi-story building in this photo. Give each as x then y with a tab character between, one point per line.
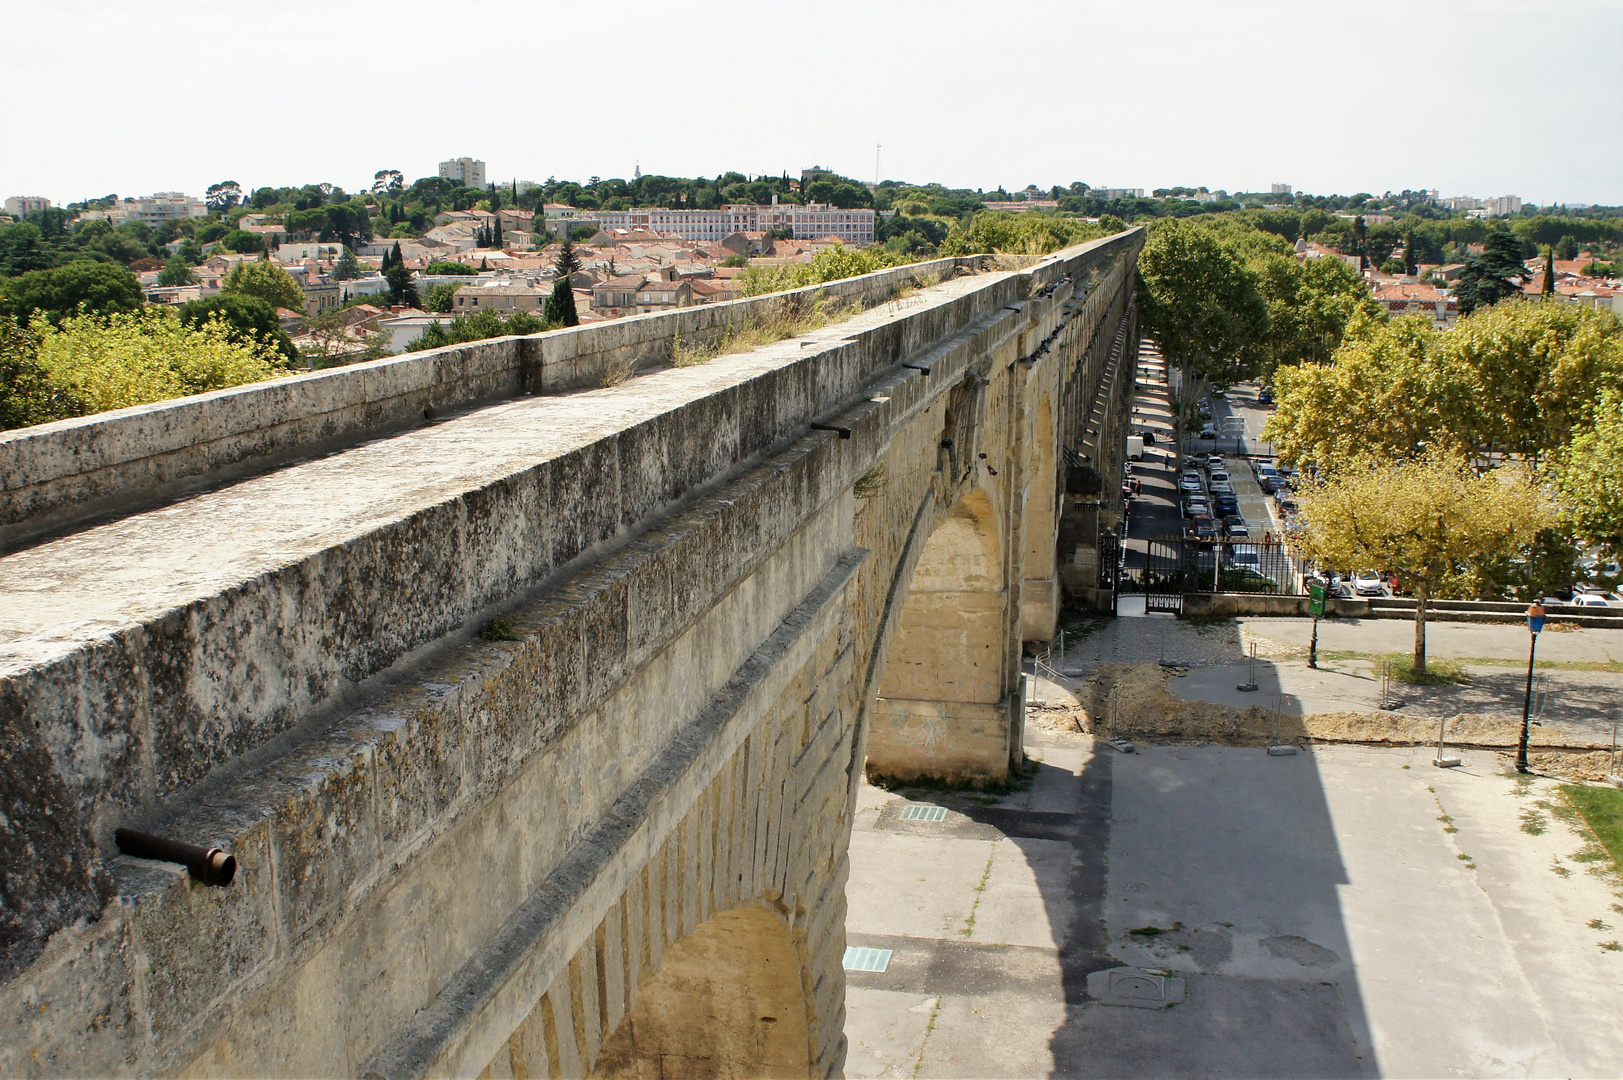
1281	189
1462	202
153	209
1503	205
1116	192
811	222
467	171
18	205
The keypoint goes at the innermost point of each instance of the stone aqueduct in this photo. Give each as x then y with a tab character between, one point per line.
534	712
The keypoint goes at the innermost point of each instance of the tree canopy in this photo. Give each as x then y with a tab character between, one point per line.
1431	521
265	281
75	288
1201	304
1519	377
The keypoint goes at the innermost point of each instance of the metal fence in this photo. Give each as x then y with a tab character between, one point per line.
1174	565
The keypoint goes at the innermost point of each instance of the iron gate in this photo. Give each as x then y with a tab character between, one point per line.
1163	575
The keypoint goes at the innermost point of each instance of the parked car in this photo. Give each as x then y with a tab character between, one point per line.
1269	484
1245	579
1225	504
1243	555
1234	528
1216	476
1195	505
1220	487
1205	529
1368	583
1207	431
1263	469
1214	461
1265	396
1597	599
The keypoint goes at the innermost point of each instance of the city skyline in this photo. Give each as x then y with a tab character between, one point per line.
1237	99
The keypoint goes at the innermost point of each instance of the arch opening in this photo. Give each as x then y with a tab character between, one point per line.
944	705
727	1002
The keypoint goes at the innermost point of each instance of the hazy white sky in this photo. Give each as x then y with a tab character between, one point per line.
1488	97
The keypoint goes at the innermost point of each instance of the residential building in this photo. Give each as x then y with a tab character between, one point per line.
1116	192
320	296
852	226
467	171
1461	202
616	295
503	296
297	253
18	205
1403	298
153	210
657	294
1503	205
1280	189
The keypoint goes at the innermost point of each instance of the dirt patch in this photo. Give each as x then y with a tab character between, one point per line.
1132	700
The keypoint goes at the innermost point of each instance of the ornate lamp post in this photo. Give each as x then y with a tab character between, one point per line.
1535	623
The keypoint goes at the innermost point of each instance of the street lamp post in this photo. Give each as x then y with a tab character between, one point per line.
1535	623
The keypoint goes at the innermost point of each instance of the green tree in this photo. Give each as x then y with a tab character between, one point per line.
93	287
223	196
441	297
1589	473
567	261
265	281
1495	274
1411	261
1517	378
246	320
347	268
132	358
560	309
441	267
1547	290
27	395
1427	520
402	287
243	242
478	326
177	272
1566	248
1201	305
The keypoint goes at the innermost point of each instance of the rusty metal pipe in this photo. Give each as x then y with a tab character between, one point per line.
211	866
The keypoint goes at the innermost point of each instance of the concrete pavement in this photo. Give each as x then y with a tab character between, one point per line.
1343	912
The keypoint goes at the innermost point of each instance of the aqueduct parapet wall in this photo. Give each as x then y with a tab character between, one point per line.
501	711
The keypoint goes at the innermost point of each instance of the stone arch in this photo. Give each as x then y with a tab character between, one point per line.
728	1001
1039	587
944	704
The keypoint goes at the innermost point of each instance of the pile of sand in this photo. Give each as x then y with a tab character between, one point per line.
1132	700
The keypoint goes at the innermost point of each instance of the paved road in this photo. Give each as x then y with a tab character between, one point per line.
1345	912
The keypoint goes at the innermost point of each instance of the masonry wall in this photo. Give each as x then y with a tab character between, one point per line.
460	854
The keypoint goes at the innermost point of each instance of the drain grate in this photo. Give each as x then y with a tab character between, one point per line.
925	813
866	959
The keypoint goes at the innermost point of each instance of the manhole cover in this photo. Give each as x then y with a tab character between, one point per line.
925	813
1135	988
866	959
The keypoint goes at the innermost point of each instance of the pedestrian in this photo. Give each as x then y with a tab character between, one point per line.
1267	539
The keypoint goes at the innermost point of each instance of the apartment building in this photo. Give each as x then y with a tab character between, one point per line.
852	226
152	210
18	205
467	171
1116	192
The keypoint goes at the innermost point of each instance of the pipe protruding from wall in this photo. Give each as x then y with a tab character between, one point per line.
211	866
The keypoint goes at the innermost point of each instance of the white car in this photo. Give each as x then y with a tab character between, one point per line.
1215	461
1263	470
1217	476
1220	487
1597	599
1368	583
1244	557
1189	483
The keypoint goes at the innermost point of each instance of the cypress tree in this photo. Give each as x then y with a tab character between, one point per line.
560	308
484	264
496	238
1548	289
395	258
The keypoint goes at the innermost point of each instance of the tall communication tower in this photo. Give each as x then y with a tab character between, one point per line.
875	164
